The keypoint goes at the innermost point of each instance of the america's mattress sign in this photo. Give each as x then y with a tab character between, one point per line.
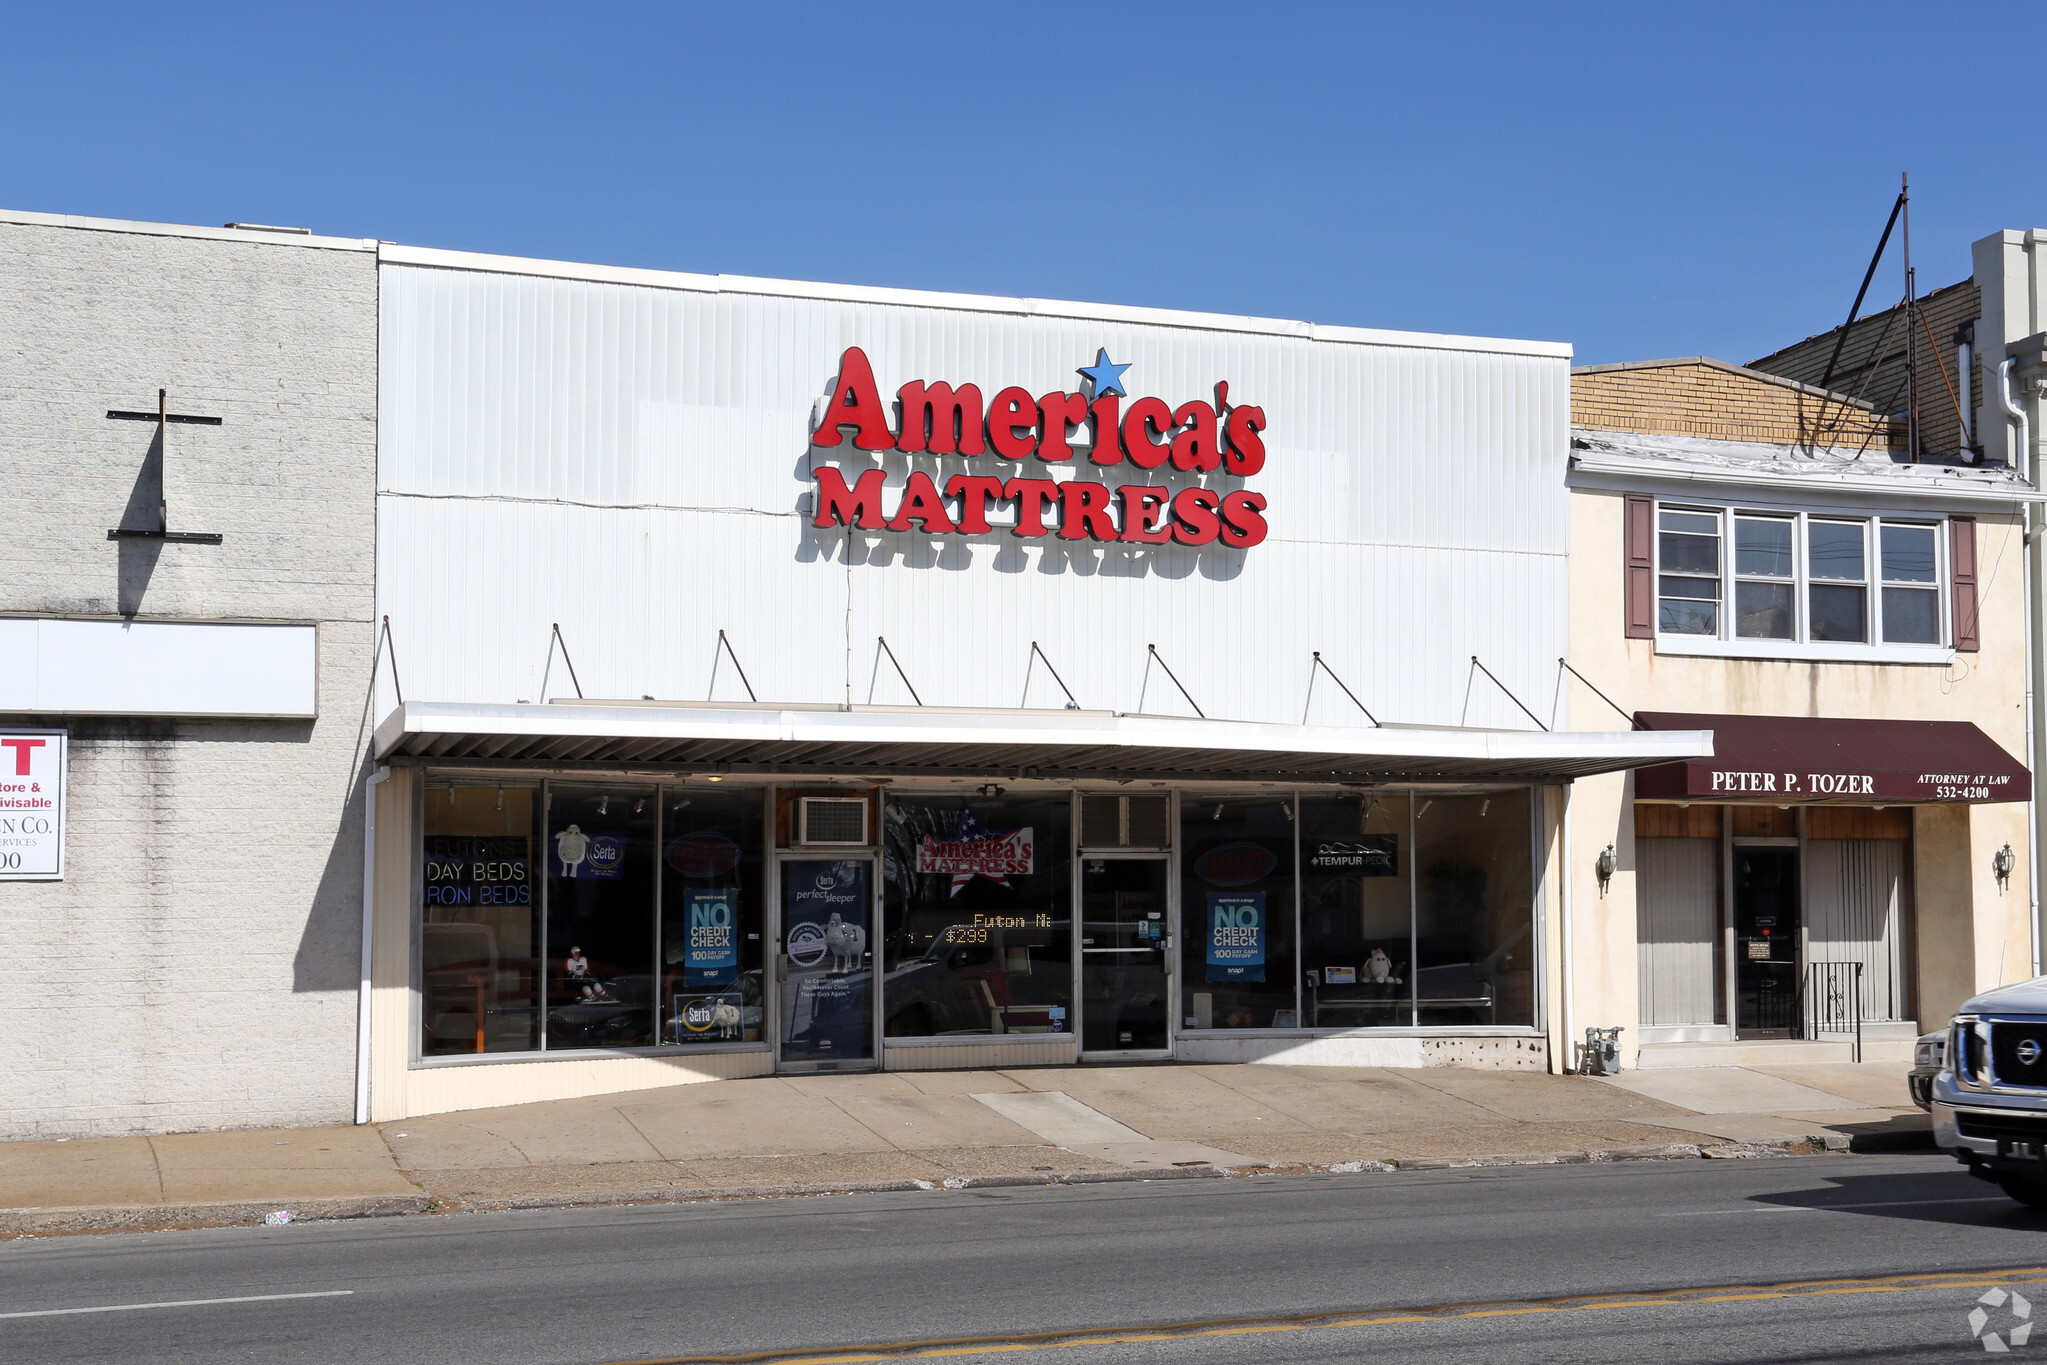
1185	460
975	851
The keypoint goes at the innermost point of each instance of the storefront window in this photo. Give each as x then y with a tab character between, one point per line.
600	915
712	898
1237	959
479	918
977	917
1475	895
1357	907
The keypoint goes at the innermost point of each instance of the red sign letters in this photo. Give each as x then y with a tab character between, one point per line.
939	419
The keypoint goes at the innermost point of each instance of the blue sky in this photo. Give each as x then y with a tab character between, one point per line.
1640	180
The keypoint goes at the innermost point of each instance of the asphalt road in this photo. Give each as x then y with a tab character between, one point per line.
667	1282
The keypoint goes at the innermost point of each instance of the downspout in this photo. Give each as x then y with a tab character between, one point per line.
369	919
2029	559
1564	933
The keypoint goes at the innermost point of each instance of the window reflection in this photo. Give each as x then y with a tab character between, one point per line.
1237	911
712	891
1475	894
479	919
978	920
600	915
1356	911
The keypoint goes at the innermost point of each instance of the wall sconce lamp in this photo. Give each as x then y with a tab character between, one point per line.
1606	867
2002	862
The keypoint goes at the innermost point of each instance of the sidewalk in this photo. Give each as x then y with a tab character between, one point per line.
905	1130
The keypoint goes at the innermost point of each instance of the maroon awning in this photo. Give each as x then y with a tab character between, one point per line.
1856	762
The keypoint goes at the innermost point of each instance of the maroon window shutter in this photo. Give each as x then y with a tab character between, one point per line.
1641	547
1961	533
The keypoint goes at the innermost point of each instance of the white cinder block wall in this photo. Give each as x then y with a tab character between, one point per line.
197	968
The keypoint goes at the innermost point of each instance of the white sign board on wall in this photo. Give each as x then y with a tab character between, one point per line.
32	771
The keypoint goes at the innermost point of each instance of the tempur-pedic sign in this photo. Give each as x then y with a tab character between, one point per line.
32	804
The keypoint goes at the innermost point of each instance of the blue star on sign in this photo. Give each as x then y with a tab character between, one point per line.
1107	377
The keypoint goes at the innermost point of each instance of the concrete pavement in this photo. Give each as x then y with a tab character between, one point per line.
1448	1265
906	1130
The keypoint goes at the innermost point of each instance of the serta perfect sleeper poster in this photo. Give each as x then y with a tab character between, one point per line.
711	951
1236	936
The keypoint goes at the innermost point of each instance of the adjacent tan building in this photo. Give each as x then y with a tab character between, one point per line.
1755	555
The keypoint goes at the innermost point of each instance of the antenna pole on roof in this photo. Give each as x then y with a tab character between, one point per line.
1867	275
1911	338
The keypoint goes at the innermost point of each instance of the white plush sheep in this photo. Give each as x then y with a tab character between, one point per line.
847	943
725	1018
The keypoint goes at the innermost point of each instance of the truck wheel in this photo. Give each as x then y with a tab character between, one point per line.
2028	1191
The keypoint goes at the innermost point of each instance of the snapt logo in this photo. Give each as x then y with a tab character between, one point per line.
2019	1328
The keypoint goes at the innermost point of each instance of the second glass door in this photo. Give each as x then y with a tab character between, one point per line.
1125	948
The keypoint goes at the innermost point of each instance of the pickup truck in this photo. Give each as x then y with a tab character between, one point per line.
1990	1095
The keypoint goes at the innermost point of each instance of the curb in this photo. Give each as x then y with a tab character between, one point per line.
228	1213
155	1217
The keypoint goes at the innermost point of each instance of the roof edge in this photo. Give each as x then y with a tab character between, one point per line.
26	218
439	258
1832	395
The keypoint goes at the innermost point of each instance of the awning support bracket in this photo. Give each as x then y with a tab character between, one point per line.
1633	724
387	645
553	640
726	645
1072	704
1340	683
1503	688
1152	652
883	642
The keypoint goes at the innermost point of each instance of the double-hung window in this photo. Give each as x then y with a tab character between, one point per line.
1765	578
1791	584
1688	572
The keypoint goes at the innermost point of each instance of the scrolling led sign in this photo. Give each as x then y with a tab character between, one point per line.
1197	437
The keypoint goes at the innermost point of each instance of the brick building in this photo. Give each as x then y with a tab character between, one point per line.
198	965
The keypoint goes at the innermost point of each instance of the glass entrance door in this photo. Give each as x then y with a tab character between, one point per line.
825	965
1766	921
1125	947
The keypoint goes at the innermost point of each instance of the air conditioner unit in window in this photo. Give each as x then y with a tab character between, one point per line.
831	820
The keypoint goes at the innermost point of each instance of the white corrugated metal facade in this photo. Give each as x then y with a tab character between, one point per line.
632	460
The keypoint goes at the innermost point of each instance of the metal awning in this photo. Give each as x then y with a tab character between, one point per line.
1854	762
886	741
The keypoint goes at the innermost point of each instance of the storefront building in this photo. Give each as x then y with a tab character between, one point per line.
468	681
1755	556
796	678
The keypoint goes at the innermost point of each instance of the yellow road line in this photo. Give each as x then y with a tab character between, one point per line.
933	1349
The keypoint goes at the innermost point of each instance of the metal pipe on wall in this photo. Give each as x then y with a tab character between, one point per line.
369	918
2029	560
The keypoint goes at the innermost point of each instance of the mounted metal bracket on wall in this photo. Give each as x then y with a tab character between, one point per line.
163	417
1503	688
726	645
552	640
879	640
1037	654
1564	667
1339	682
386	645
1152	652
